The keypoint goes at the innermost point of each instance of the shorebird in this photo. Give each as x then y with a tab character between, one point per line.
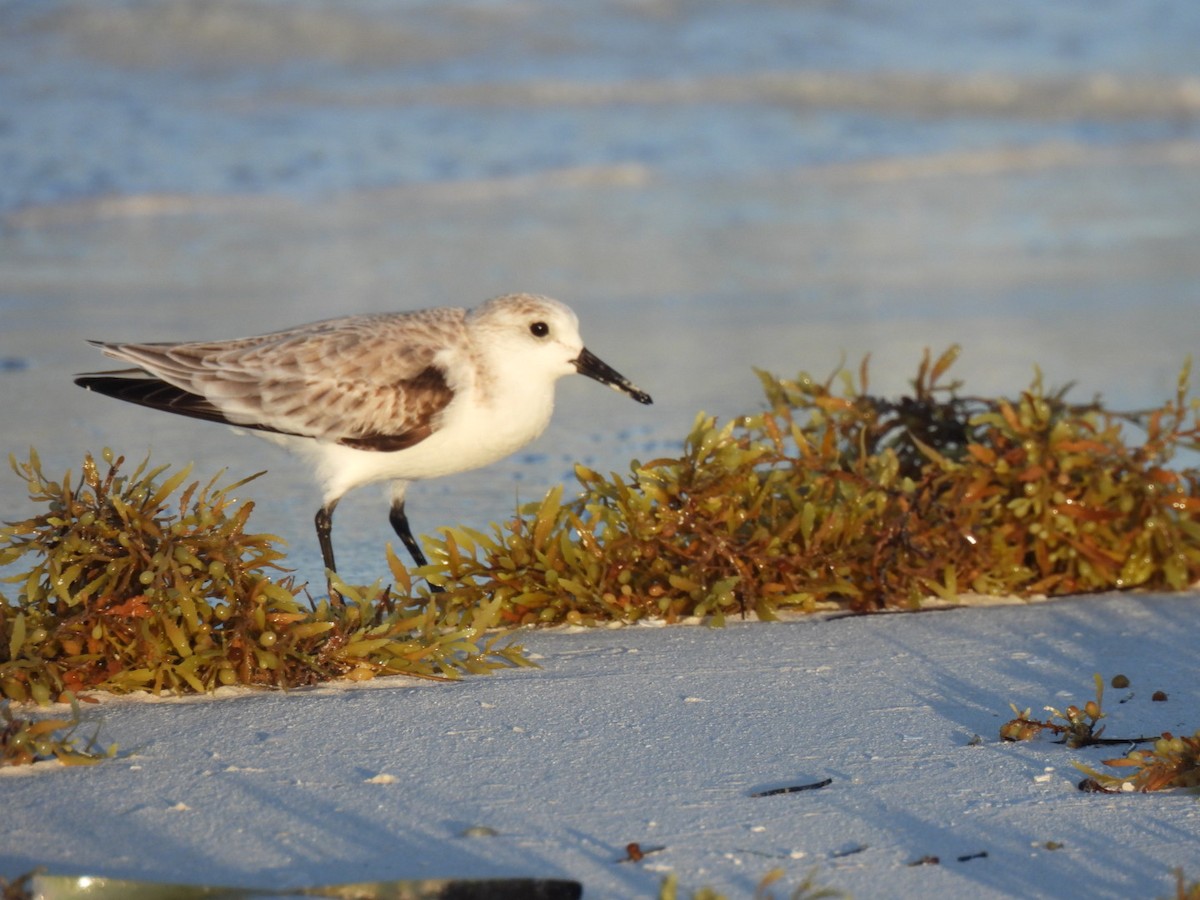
387	397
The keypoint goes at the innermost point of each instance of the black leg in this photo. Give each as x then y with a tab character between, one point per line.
324	530
399	521
400	524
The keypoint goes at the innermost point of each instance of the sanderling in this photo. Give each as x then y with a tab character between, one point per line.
388	397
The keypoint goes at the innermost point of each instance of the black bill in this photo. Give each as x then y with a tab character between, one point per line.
593	367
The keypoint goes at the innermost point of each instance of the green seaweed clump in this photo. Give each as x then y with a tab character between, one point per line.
26	741
846	500
1172	762
128	589
1076	727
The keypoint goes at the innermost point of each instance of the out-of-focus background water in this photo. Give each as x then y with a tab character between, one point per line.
713	186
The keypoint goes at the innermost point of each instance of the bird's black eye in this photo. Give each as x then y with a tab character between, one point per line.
539	329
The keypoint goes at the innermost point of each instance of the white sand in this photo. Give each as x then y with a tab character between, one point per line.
659	736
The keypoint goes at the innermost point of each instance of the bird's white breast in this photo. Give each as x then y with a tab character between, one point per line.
477	428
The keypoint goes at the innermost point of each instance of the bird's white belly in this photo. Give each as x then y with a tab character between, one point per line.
469	437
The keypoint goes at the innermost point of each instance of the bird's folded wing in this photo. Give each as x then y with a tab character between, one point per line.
364	383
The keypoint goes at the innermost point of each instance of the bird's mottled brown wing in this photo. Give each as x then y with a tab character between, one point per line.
372	382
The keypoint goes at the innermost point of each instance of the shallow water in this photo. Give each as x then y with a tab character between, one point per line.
713	187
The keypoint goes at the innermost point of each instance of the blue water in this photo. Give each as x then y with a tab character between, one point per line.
121	98
714	186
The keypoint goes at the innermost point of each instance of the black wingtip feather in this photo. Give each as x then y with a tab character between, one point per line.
152	393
